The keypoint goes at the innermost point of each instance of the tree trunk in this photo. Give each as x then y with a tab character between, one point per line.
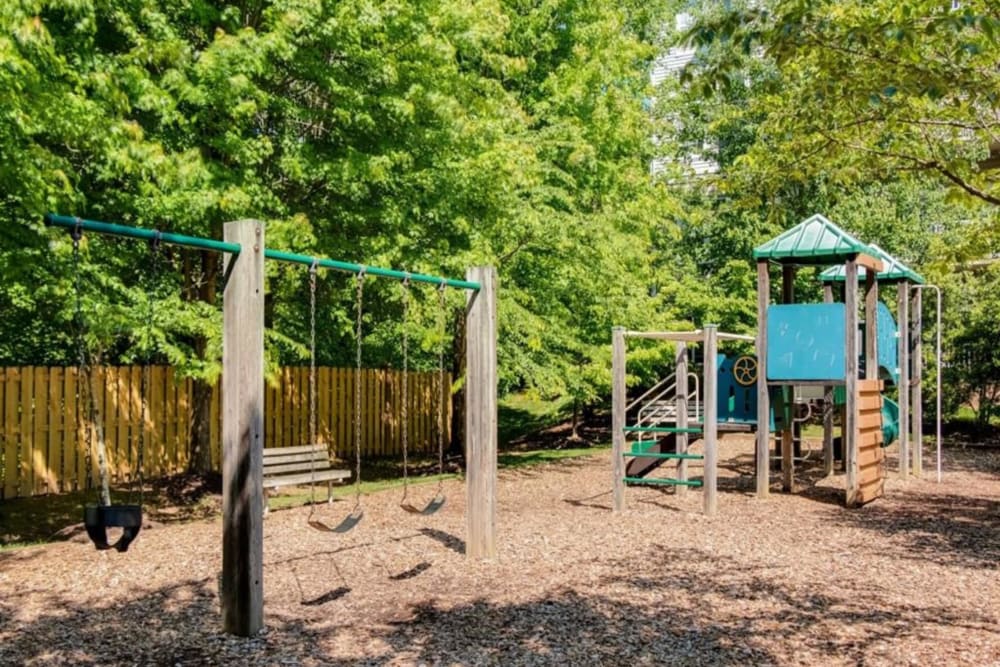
575	434
202	287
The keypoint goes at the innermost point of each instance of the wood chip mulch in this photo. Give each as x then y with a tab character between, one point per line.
911	579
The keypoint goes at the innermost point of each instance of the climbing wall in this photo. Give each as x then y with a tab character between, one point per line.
871	454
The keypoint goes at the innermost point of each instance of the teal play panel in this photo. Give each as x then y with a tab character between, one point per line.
887	343
806	342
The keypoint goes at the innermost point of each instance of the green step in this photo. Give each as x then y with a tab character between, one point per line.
663	480
660	429
665	455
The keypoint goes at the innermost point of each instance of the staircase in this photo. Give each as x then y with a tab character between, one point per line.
651	436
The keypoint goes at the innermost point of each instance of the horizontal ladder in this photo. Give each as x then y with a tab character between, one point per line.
664	455
660	429
670	481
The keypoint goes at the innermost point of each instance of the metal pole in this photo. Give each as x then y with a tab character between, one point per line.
307	260
937	361
69	222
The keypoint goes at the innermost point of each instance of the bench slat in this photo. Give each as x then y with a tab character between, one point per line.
270	470
305	478
299	449
297	458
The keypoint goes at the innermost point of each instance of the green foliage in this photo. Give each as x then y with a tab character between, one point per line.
428	136
866	90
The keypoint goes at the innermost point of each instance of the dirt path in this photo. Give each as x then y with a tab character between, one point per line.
910	579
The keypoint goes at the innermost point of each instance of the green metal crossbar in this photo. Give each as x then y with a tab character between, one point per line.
69	222
664	455
660	429
669	481
72	223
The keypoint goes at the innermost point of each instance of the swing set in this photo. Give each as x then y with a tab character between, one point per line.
241	587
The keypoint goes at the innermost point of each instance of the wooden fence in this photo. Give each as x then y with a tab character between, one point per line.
42	442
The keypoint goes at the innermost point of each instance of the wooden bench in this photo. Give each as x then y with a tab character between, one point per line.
294	466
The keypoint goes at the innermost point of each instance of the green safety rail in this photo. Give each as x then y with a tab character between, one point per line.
660	429
80	225
664	455
665	481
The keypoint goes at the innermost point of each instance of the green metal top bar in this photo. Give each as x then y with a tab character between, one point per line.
70	222
282	256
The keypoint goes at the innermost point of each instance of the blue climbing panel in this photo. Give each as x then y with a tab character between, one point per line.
736	403
806	342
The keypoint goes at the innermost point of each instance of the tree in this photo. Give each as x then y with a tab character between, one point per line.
869	90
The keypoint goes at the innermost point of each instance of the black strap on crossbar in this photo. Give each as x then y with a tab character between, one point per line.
98	518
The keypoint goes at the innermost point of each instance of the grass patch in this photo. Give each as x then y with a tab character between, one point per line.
543	456
520	415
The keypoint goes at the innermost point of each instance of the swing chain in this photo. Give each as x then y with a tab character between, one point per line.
312	371
442	329
406	381
83	401
357	391
154	248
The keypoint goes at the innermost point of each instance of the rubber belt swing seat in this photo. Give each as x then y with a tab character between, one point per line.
357	512
438	501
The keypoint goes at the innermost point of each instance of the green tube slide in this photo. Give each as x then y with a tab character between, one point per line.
890	421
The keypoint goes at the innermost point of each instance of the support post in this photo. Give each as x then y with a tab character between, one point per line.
618	417
916	383
242	590
850	431
681	402
828	405
763	404
787	441
481	415
903	362
871	325
710	423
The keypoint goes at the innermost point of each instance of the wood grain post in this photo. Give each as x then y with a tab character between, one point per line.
763	402
850	432
681	403
828	405
242	590
618	418
710	423
481	415
903	362
916	384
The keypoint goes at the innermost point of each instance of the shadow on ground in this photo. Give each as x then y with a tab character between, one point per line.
665	606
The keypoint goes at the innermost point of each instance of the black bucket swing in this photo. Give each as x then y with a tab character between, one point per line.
356	514
438	501
98	518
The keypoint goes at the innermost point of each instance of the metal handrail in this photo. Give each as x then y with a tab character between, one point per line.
650	391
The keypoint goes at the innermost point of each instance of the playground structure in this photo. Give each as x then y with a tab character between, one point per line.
241	584
818	345
825	346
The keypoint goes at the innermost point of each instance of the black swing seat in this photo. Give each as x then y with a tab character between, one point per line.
436	503
98	518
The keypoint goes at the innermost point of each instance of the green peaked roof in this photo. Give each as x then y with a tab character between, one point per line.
815	240
894	271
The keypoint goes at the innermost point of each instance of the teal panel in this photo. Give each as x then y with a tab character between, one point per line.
806	342
736	403
888	359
